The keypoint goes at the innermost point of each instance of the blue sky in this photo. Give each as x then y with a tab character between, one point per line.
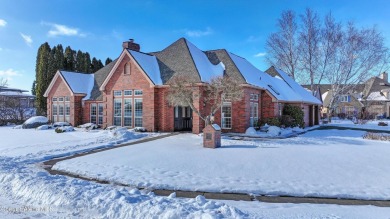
99	27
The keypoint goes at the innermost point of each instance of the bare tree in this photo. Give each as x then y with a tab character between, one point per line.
309	47
3	82
282	46
185	92
359	53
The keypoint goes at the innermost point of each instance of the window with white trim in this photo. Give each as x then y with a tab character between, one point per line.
60	99
118	112
128	92
254	113
138	112
138	92
100	114
54	113
226	115
67	112
93	113
128	112
117	93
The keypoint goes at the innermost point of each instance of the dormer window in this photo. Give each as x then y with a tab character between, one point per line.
126	70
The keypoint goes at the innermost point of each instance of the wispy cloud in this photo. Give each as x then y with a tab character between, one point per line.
27	39
260	54
252	39
9	74
3	23
199	33
63	30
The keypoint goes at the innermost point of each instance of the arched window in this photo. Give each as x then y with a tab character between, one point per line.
127	69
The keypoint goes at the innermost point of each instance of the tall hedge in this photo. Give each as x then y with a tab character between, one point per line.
296	114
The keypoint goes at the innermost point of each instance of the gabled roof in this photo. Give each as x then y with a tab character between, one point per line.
305	95
79	83
374	84
100	76
149	65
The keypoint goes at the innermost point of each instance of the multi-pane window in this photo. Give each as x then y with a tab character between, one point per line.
117	93
128	92
60	99
67	99
54	99
67	112
254	113
100	114
93	113
127	117
54	112
138	92
344	98
118	112
227	115
138	111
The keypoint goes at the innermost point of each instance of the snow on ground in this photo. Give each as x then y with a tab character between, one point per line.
372	124
302	211
321	163
28	191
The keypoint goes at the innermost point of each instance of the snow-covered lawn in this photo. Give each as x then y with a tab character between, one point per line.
372	124
28	191
321	163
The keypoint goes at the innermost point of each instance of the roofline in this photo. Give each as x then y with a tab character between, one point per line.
192	58
124	52
58	74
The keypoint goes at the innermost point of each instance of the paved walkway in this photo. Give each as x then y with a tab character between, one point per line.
209	195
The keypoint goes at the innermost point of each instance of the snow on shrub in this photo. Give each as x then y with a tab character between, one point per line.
44	127
18	127
35	122
89	126
377	136
60	124
140	129
64	129
273	131
250	131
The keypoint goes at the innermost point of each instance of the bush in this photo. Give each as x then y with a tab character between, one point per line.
296	113
382	124
377	136
58	130
272	121
287	121
342	115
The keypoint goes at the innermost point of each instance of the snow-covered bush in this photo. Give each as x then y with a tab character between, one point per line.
35	122
270	121
250	131
60	124
18	127
89	126
62	129
44	127
140	129
377	136
274	131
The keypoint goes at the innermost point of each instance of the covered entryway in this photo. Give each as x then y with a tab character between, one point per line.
183	118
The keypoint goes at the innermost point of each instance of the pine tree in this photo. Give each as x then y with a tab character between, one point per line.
41	72
69	59
86	63
33	90
79	65
108	60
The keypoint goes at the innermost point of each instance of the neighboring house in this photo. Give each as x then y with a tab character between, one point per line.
371	97
15	105
132	90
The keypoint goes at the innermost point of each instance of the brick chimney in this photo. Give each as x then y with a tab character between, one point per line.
131	45
384	76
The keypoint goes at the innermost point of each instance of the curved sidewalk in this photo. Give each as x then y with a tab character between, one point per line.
47	165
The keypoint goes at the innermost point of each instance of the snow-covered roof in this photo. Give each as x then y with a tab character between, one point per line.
79	83
205	68
305	95
15	93
376	96
149	64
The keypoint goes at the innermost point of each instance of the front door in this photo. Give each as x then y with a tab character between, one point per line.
183	118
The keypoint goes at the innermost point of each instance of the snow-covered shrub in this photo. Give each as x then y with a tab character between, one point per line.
89	126
44	127
377	136
250	131
62	129
274	131
297	129
35	122
111	127
140	129
60	124
18	127
296	113
383	124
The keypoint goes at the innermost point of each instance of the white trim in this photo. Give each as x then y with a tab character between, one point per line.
53	81
231	115
124	52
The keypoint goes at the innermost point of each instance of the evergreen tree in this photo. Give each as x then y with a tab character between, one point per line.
108	60
100	64
33	92
41	72
86	63
69	59
79	65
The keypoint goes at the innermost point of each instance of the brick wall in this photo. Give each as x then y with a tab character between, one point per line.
269	109
60	89
136	80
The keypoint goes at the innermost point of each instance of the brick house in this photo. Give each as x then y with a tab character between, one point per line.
131	91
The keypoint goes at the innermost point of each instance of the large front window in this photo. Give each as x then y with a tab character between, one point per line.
60	109
138	112
100	114
254	113
227	115
128	112
93	113
118	112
